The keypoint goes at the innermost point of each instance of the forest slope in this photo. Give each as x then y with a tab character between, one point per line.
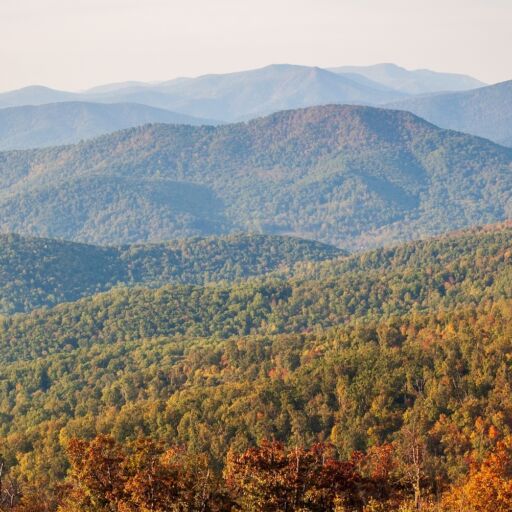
354	352
345	175
38	272
419	276
486	112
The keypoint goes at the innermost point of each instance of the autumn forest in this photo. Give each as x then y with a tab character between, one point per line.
375	381
248	263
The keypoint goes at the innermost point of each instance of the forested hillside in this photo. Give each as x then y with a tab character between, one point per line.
384	352
350	176
486	112
37	272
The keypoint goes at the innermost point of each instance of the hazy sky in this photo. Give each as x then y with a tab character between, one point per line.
74	44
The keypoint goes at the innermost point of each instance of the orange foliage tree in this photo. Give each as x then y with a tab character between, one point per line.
488	487
271	477
143	477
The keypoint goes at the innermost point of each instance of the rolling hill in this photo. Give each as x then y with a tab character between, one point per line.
354	352
69	122
148	360
418	81
465	268
486	112
345	175
36	272
34	95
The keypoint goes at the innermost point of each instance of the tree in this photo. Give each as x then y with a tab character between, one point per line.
414	460
96	481
141	477
488	487
271	478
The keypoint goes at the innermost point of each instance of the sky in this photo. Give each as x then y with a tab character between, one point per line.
76	44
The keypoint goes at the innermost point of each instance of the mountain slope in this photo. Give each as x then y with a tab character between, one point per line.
345	353
37	272
250	94
112	209
69	122
466	269
349	176
419	81
486	112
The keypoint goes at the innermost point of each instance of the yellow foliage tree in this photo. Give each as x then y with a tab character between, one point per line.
488	487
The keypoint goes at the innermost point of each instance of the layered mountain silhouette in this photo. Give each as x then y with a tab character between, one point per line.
249	94
226	97
34	95
486	112
347	175
69	122
38	116
418	81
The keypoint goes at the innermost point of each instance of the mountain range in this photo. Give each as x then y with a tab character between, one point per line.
226	97
249	94
419	81
63	117
69	122
486	112
183	324
345	175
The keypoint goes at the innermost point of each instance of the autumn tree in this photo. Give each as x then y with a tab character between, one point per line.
168	480
271	478
488	487
140	477
379	465
415	464
96	481
10	489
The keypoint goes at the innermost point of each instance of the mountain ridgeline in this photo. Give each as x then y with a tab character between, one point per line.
227	97
486	112
37	116
422	276
55	124
40	272
417	81
349	176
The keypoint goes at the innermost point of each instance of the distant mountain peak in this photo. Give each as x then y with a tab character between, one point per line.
417	81
353	176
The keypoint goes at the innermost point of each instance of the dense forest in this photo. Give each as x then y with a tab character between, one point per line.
379	381
354	177
37	272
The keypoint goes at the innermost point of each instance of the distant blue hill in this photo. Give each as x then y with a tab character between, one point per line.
69	122
486	112
418	81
